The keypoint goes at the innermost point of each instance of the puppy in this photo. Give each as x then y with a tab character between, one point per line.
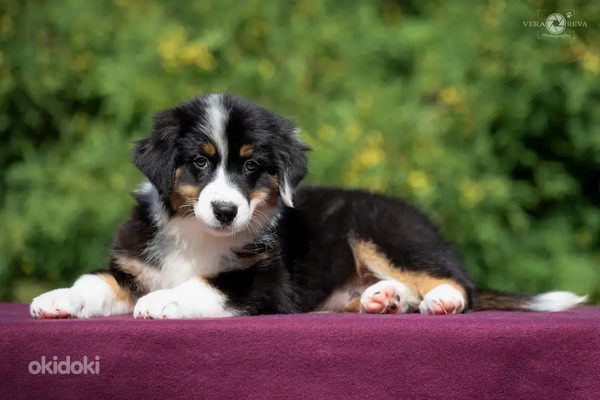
220	229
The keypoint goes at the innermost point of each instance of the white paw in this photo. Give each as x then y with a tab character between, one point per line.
59	303
387	297
160	304
192	299
442	299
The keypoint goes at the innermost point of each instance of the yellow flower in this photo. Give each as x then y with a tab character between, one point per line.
450	96
371	157
418	181
376	183
470	193
591	62
177	52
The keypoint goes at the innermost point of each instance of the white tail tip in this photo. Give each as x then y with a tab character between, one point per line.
555	301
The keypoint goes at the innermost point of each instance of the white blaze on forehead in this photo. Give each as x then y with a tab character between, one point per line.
221	188
215	122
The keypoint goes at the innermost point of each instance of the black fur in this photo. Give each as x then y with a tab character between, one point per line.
156	156
294	265
315	257
271	257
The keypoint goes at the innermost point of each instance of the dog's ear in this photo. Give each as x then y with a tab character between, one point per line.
156	156
292	161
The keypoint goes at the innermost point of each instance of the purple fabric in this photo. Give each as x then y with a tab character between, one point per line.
483	355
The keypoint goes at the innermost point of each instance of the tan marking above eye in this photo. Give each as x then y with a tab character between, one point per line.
209	149
246	150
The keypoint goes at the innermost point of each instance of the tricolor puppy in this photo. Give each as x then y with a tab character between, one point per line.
220	229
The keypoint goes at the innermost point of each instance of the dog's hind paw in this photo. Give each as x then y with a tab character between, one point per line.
442	299
387	297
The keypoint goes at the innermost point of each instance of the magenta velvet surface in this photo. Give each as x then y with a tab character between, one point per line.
483	355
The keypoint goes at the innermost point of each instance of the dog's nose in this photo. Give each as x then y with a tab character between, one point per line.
224	211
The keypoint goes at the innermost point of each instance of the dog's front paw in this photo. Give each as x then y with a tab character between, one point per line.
160	304
59	303
442	299
192	299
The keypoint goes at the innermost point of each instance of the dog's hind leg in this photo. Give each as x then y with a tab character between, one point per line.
390	289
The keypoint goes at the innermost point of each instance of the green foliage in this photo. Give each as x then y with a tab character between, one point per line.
458	108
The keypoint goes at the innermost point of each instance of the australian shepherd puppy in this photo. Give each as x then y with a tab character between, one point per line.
221	229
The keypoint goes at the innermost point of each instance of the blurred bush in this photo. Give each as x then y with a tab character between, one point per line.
458	108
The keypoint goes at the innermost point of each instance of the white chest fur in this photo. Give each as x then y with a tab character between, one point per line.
184	250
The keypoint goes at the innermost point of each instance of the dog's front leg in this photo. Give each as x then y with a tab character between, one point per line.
195	298
92	295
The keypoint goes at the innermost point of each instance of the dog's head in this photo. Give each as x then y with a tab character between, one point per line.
223	160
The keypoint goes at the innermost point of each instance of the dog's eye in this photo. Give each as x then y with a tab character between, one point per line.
251	166
201	162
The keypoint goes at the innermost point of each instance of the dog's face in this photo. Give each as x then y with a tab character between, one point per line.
223	160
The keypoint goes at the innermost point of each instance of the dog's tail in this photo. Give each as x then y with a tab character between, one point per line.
545	302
